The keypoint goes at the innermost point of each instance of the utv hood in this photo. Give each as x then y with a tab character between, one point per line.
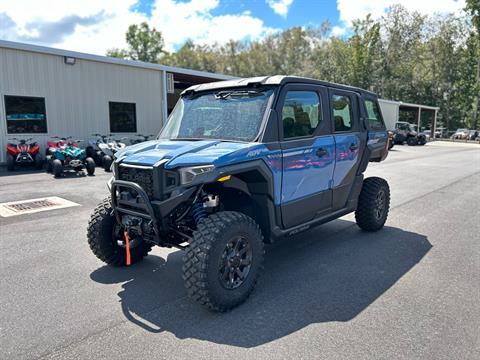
189	153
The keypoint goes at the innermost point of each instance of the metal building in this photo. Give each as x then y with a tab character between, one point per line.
47	92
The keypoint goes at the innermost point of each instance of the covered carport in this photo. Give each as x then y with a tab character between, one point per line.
424	116
178	79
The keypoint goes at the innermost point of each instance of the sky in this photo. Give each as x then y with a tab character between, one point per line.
94	26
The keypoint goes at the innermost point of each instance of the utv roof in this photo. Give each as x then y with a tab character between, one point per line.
268	80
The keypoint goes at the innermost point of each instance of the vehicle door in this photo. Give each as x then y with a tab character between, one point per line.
308	153
349	142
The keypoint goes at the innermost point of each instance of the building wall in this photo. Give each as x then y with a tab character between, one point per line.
77	96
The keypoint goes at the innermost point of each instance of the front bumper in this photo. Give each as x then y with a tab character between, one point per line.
131	199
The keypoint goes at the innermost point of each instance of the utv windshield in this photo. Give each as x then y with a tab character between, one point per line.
225	115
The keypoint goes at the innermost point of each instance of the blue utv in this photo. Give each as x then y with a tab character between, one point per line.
239	164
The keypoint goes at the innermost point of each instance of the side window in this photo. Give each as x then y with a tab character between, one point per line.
342	112
25	115
374	115
301	113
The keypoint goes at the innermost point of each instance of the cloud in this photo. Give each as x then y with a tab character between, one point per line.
97	25
280	7
51	32
338	31
353	9
194	20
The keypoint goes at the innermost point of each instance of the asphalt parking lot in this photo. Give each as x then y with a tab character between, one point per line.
411	290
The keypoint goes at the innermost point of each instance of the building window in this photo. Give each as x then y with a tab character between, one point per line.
25	115
342	112
123	117
300	113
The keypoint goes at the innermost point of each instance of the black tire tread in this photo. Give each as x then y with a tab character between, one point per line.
196	257
99	245
366	203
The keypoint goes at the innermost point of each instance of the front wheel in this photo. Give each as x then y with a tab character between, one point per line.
106	240
57	168
223	261
373	204
107	162
90	165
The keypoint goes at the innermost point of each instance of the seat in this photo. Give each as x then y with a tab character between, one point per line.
302	123
288	127
339	124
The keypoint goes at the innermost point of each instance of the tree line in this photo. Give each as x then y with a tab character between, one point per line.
432	60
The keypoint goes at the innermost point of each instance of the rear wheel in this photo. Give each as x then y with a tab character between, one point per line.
107	162
90	165
223	261
10	163
373	204
57	168
106	240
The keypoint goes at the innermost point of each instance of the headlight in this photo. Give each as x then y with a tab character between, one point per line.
188	174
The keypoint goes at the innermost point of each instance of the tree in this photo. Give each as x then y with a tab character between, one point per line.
144	44
473	8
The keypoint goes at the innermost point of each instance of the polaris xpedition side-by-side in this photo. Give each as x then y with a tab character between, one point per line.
238	164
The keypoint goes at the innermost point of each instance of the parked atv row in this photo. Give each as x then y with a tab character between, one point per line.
104	147
65	154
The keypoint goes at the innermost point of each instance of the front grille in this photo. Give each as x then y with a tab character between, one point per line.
141	176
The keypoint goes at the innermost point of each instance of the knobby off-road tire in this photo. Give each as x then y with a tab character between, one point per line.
107	162
103	240
57	168
202	262
412	141
373	204
90	166
10	163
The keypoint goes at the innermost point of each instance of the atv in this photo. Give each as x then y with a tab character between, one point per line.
238	165
407	133
54	143
103	149
23	152
69	157
140	138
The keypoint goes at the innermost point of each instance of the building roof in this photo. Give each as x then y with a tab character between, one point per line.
269	80
410	105
109	60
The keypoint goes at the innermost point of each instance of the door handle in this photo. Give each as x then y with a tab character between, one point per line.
353	146
321	152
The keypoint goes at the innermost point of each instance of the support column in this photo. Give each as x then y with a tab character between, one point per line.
419	116
434	123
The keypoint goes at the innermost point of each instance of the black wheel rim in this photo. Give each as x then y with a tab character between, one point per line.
235	263
380	204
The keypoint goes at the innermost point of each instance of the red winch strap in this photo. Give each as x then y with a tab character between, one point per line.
127	246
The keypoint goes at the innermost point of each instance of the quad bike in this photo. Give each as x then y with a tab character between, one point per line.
23	152
69	157
103	149
57	142
140	138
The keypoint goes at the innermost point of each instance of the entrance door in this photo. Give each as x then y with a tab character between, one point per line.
349	143
308	153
